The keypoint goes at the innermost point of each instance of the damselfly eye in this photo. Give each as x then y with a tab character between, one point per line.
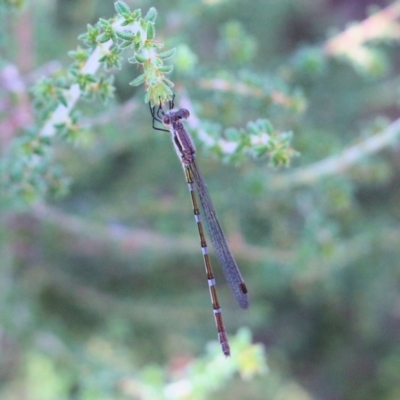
166	120
182	113
185	113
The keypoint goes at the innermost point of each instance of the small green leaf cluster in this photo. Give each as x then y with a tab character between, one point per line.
263	140
259	139
110	38
47	94
146	52
204	376
28	173
54	98
127	31
310	60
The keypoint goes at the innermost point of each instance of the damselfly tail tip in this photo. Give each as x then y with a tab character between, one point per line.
244	303
243	300
224	344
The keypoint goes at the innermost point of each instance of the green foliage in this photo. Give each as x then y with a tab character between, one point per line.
54	98
102	291
257	141
204	376
13	3
196	379
237	46
185	60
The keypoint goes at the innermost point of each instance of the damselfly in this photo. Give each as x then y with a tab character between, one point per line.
186	152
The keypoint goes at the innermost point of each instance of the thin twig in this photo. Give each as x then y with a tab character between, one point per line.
223	85
378	26
339	163
131	240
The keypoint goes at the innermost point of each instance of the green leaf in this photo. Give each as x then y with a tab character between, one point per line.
104	37
112	59
166	68
151	31
79	55
90	37
136	14
232	134
157	63
138	81
167	54
122	8
168	82
151	15
104	23
63	100
141	58
167	88
125	35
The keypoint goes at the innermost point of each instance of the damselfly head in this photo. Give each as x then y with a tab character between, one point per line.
183	113
175	115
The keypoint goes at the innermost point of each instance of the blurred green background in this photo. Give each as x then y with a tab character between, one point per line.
103	290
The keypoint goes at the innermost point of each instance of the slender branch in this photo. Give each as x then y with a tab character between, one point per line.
130	240
243	89
379	25
339	163
258	139
320	268
72	95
